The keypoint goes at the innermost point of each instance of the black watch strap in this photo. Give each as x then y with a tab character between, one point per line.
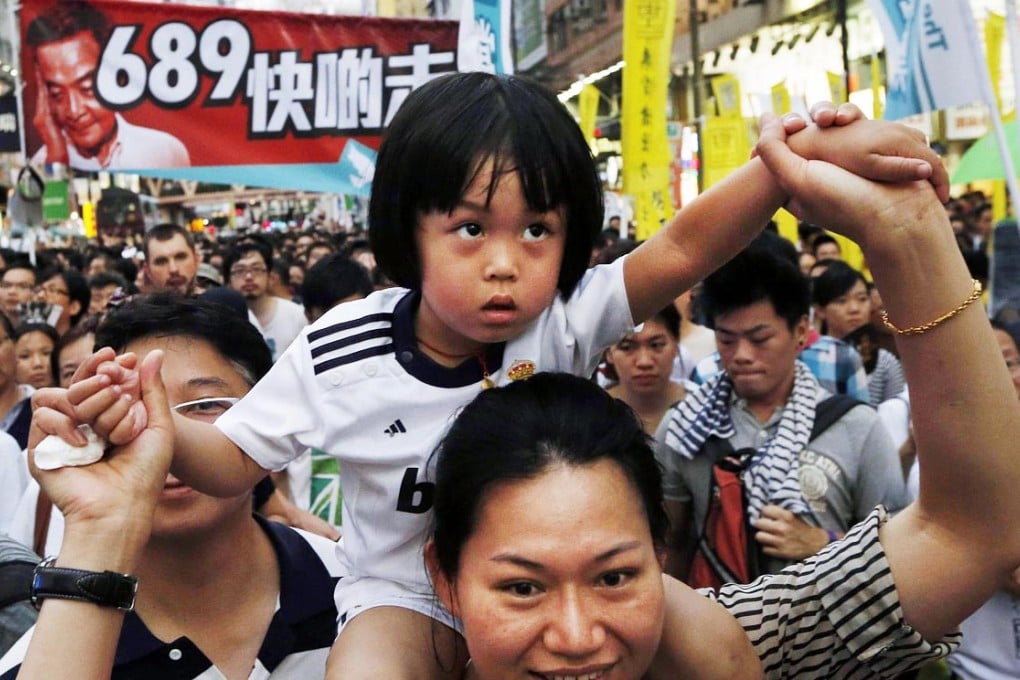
104	588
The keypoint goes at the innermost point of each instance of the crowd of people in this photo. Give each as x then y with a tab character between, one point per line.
523	472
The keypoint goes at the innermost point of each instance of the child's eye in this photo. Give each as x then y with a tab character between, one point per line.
535	232
469	230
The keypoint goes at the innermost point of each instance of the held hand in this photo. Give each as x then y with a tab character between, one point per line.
46	126
877	150
782	534
105	394
844	202
125	484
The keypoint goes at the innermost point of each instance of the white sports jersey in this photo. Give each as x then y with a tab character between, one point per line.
355	385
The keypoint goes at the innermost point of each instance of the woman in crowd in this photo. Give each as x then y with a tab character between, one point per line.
640	367
843	305
33	346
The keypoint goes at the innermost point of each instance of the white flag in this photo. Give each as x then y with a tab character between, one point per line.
933	55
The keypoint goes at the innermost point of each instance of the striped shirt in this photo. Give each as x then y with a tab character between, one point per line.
835	615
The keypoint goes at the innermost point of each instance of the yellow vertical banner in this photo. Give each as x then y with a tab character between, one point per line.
837	87
725	147
876	88
726	89
995	31
780	99
588	108
648	28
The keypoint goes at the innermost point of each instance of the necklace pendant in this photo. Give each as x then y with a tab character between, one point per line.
487	382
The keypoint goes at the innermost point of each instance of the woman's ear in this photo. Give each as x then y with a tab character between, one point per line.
73	308
440	581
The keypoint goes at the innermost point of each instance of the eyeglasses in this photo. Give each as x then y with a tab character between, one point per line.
20	285
52	290
208	408
241	272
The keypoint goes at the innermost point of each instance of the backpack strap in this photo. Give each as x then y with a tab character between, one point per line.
829	410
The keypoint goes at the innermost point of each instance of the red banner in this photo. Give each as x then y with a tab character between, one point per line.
172	85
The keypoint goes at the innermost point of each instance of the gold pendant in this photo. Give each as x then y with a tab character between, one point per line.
487	382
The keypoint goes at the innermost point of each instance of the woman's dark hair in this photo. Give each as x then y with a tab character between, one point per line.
834	282
442	137
557	419
170	314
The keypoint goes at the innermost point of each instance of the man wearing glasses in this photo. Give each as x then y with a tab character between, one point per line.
246	267
264	591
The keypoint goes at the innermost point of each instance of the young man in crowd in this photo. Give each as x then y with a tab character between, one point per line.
804	491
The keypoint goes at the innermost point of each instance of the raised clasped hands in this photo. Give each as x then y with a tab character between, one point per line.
886	176
126	482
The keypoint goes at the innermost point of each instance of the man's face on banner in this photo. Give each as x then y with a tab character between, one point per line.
67	70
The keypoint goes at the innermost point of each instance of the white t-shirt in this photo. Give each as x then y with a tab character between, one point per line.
355	385
287	323
13	479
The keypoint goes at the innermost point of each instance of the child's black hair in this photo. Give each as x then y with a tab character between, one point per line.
442	137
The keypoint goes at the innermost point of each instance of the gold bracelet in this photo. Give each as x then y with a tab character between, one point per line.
918	330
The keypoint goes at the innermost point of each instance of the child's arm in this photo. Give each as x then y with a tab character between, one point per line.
719	223
104	395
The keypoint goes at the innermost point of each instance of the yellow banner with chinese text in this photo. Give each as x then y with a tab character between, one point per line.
648	29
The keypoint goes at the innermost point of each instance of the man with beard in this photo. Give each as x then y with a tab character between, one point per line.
171	261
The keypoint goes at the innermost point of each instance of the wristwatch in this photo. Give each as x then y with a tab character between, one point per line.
103	588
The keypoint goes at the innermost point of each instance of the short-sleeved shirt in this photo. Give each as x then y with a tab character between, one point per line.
835	615
355	385
297	641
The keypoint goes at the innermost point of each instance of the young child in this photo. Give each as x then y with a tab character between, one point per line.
485	206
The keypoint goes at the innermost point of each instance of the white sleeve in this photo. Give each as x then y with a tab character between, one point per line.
279	418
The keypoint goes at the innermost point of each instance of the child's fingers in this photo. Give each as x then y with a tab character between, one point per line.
848	113
87	368
127	360
79	392
105	410
823	114
127	427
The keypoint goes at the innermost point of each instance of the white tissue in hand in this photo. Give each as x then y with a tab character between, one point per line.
53	452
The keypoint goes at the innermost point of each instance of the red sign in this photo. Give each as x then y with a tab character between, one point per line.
130	85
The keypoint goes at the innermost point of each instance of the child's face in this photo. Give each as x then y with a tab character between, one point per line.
487	270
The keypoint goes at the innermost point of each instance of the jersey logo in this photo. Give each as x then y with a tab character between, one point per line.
522	369
396	428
